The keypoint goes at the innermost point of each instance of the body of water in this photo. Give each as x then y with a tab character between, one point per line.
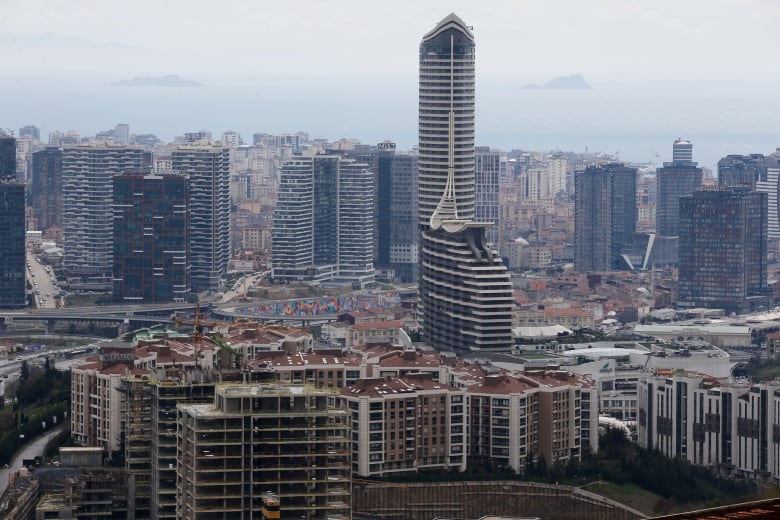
638	124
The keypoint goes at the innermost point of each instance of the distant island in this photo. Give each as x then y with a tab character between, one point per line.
573	82
157	81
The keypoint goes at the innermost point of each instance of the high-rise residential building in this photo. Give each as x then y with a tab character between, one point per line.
487	171
676	179
604	216
771	186
45	193
12	229
723	250
151	238
396	212
323	223
742	170
287	439
87	197
208	168
465	294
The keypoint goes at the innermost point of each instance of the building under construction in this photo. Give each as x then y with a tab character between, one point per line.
290	440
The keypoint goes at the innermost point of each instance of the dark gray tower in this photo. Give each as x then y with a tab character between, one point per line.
12	252
466	298
604	216
723	250
45	193
676	179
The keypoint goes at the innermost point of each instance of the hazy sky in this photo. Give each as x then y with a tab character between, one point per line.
518	41
660	69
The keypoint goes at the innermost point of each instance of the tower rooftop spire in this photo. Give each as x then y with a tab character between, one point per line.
451	21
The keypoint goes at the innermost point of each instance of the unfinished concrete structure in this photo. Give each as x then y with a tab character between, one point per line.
291	440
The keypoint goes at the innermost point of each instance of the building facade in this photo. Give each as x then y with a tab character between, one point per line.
396	212
676	179
323	223
87	194
290	440
7	157
12	245
487	171
151	238
407	425
45	195
732	428
465	294
12	229
741	170
723	250
207	166
604	216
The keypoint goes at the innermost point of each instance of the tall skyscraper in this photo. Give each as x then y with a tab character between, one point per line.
487	170
323	223
208	167
604	216
396	212
676	179
151	238
45	195
87	193
12	229
723	250
465	294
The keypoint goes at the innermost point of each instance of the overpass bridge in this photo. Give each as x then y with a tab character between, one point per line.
301	312
124	317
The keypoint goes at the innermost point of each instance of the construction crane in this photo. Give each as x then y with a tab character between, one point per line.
197	322
198	325
228	349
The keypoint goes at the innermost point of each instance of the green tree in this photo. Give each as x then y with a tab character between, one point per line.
24	371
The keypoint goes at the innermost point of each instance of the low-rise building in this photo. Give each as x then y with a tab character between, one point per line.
733	428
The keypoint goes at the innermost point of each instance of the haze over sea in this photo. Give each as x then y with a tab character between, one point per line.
638	122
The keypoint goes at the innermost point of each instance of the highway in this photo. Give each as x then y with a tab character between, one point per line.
29	451
43	282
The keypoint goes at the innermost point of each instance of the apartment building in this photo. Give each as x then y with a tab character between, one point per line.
406	424
734	428
292	440
96	400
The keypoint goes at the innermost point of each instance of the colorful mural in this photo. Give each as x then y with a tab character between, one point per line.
322	306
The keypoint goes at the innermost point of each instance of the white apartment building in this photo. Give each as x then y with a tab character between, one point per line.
734	428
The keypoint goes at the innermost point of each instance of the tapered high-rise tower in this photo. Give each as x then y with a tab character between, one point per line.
466	297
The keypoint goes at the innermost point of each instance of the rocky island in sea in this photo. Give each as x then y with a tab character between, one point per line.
573	82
